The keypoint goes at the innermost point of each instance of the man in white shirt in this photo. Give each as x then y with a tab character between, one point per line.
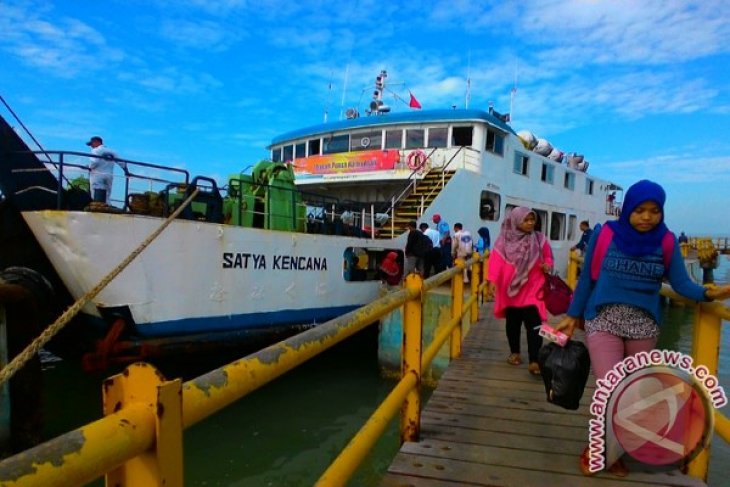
432	261
101	169
462	246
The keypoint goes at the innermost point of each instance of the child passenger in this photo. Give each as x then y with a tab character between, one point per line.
622	307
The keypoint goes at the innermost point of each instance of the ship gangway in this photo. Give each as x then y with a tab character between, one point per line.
489	423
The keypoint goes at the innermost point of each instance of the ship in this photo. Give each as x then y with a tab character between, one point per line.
291	242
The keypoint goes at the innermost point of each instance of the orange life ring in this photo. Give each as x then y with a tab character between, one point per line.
416	159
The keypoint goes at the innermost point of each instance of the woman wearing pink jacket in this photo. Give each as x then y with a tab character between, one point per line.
517	265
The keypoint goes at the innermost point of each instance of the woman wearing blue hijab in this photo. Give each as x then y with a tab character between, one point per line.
622	307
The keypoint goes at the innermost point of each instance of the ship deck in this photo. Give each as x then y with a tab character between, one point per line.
488	423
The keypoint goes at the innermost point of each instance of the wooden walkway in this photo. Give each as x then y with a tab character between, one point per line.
488	423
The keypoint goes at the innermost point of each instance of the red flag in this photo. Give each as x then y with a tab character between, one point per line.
413	103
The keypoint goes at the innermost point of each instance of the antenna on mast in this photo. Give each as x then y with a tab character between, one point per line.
344	90
468	82
512	94
327	103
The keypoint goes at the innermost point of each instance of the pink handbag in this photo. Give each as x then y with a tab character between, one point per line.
557	294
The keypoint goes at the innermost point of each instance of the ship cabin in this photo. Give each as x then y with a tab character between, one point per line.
395	165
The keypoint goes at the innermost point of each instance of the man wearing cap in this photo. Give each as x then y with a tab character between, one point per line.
101	169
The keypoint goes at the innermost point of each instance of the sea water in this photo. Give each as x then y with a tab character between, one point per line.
288	432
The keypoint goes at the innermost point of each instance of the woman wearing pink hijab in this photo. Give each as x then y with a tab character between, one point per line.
517	265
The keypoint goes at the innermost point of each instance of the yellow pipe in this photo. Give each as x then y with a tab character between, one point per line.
340	471
475	286
705	351
213	391
485	273
457	302
722	426
202	397
441	336
572	275
80	456
410	425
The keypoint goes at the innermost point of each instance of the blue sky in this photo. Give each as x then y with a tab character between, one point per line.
639	87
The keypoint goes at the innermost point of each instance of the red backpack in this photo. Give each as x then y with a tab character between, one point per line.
605	235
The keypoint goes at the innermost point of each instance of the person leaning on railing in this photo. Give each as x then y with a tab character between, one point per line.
101	169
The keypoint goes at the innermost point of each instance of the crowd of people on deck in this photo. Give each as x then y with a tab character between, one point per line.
431	250
619	308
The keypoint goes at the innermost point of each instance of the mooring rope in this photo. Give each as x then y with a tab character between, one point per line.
23	357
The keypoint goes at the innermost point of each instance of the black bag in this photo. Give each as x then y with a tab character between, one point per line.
422	245
565	372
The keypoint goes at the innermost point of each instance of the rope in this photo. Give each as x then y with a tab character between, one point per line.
22	358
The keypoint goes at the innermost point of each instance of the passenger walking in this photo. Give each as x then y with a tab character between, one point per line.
416	249
432	260
484	242
585	227
517	268
462	246
445	243
622	307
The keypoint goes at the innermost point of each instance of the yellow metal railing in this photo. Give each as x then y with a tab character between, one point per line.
139	441
705	351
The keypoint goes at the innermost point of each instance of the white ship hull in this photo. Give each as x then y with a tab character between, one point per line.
199	277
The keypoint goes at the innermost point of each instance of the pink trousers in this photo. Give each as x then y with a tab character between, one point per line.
607	349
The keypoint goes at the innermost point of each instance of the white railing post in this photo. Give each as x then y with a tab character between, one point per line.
392	218
372	220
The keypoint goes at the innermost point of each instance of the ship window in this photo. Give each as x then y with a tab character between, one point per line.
313	147
495	142
393	139
276	154
557	226
336	143
548	173
438	137
414	138
288	153
489	206
569	181
589	186
521	162
572	220
363	264
541	219
462	136
299	150
366	141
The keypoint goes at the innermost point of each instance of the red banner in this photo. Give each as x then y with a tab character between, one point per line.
347	162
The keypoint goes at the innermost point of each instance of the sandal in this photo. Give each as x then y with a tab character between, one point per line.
534	368
618	469
585	463
514	359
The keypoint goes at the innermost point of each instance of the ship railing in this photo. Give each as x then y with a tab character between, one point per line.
309	212
138	176
139	441
431	165
468	155
705	353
